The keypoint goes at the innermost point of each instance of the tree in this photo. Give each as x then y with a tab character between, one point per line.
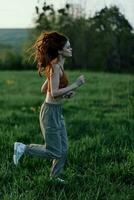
102	42
112	33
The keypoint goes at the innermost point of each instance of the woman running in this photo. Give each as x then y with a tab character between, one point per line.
51	49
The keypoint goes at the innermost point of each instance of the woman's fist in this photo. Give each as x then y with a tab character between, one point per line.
69	94
80	80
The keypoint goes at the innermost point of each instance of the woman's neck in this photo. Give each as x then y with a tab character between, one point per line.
61	60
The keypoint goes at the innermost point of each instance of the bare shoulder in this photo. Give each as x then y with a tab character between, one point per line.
55	68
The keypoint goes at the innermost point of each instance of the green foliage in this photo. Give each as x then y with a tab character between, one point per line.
12	43
99	120
112	35
104	42
99	43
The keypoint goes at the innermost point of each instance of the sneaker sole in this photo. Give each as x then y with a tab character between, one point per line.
14	156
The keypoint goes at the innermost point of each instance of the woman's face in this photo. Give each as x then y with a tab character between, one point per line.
67	50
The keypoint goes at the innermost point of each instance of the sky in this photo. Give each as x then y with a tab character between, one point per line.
21	13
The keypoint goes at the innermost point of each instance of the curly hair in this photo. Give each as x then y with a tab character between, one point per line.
46	48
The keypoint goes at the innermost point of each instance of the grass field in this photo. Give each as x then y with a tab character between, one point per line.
100	125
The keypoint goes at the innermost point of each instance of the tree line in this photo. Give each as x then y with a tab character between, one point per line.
104	42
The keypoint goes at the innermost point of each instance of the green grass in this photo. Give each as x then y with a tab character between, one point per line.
100	125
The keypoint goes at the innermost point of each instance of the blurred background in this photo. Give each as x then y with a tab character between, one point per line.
100	116
101	32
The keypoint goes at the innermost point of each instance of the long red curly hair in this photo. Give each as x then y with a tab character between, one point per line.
46	48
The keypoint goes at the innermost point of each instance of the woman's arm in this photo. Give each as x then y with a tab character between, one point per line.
44	86
54	83
69	95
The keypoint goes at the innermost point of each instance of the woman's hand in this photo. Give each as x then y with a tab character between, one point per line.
80	80
68	95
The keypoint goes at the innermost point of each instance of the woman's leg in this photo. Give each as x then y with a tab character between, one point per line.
42	151
58	164
50	131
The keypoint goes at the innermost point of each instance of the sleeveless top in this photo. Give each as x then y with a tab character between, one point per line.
63	79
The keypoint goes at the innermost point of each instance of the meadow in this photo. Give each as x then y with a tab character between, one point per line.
100	126
13	37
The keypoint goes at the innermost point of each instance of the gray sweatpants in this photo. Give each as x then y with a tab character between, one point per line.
53	128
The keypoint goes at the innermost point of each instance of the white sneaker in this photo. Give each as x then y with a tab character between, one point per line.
60	180
19	149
